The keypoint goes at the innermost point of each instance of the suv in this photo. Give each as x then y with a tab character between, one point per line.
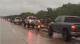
68	26
18	20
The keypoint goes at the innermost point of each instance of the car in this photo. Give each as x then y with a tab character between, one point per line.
30	21
17	20
12	19
68	26
8	19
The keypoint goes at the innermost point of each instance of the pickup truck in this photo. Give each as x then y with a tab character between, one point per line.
31	21
17	20
68	26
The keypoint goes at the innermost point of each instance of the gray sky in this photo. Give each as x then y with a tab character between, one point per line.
14	7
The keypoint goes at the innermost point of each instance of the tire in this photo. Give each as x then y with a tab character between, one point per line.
50	32
24	24
37	28
66	35
14	23
33	26
20	24
28	26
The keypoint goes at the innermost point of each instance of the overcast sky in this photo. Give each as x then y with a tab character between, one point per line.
14	7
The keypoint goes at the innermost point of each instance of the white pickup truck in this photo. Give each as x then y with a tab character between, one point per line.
17	20
31	21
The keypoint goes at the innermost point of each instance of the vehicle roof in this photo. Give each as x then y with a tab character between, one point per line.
17	17
31	16
69	16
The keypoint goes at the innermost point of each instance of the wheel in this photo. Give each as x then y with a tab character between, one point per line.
24	24
28	26
14	23
66	35
50	32
37	28
33	26
20	23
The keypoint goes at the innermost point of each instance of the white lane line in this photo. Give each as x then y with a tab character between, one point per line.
13	30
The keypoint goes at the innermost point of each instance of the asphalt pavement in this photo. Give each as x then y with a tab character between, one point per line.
16	34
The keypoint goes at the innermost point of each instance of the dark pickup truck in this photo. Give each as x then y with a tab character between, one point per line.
68	26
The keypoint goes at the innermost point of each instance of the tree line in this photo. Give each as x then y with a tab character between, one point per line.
65	9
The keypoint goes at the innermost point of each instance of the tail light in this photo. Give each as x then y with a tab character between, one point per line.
29	21
48	27
73	27
38	26
16	20
32	17
18	23
38	20
22	23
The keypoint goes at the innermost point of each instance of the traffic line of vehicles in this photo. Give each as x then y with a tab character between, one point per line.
68	26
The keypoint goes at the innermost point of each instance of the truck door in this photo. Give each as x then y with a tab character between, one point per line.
58	23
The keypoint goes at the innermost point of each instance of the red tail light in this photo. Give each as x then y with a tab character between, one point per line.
48	27
38	26
18	23
22	23
38	20
32	17
73	27
29	21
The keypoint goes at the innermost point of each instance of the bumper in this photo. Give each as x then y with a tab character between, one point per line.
75	34
43	26
18	22
31	23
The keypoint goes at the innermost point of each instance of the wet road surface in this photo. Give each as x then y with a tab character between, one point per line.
16	34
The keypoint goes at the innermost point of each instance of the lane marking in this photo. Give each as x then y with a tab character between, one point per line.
13	30
11	27
25	41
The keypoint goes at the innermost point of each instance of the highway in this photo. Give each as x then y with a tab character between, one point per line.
16	34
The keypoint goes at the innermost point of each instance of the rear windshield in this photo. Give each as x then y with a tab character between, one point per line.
72	19
18	18
32	18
